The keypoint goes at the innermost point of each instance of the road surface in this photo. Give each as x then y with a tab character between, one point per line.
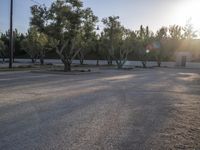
111	110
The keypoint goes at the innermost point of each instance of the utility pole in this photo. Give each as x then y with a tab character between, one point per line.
11	35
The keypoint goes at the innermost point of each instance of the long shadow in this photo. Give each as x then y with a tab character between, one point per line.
147	111
41	114
155	109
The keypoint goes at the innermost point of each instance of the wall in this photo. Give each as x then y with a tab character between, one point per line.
128	64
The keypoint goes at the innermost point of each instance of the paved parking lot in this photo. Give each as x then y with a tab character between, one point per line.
111	110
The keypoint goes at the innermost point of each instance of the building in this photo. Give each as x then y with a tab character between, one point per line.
182	58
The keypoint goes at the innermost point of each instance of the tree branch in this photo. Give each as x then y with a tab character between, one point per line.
76	53
63	47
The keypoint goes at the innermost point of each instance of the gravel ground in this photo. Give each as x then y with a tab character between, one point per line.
156	109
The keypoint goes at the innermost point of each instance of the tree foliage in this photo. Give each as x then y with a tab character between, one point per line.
175	32
161	38
2	49
35	45
62	22
70	30
189	32
87	35
144	38
118	41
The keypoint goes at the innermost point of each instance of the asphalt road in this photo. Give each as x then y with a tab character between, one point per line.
113	110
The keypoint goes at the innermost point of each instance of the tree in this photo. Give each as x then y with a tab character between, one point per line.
175	32
103	46
144	38
18	38
62	23
2	50
161	37
87	34
118	40
125	46
6	41
35	45
42	45
189	32
174	41
112	32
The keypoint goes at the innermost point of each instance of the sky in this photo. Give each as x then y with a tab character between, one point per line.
132	13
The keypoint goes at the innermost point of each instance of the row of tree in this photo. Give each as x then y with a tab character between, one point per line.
70	30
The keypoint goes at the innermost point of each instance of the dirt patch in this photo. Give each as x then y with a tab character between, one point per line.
182	129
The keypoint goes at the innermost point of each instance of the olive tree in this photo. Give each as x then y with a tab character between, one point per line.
118	39
161	38
103	46
125	45
175	32
2	50
35	45
112	33
189	32
62	22
87	34
144	38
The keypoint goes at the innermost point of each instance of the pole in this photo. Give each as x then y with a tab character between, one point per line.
11	35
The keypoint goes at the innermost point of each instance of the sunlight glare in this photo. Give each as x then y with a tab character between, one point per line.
189	9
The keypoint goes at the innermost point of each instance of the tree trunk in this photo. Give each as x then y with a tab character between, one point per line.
97	64
42	55
144	64
109	61
33	60
81	61
3	59
120	63
81	58
67	67
159	64
41	60
119	66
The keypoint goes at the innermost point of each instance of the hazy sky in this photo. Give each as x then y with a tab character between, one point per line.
133	13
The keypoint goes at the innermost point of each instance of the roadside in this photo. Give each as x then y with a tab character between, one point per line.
128	64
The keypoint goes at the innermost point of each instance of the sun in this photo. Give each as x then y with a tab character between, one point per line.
189	9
